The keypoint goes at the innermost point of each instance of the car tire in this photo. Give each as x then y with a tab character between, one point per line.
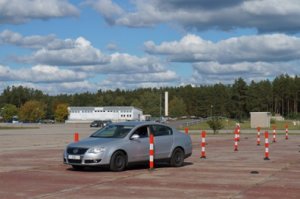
118	161
78	168
177	158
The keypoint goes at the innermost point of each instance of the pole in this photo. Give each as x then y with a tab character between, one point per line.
203	145
258	136
151	152
186	130
160	101
286	132
238	132
235	140
266	146
76	137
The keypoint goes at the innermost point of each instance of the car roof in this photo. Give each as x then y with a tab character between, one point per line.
136	123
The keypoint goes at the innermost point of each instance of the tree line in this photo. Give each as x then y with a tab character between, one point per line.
236	101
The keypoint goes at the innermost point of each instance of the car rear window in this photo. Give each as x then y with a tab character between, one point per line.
113	131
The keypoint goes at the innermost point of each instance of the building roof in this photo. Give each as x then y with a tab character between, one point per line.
91	108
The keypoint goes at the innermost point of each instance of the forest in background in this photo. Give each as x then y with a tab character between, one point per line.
236	101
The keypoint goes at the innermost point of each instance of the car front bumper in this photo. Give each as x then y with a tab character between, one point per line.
85	159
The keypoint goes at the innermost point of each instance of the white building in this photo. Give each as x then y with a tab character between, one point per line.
113	113
260	119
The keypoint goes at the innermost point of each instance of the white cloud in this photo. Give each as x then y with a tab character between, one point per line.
108	9
51	50
112	47
251	57
51	54
266	48
242	68
5	73
213	72
166	76
80	52
16	11
133	64
40	74
35	41
79	87
188	44
127	64
141	80
264	15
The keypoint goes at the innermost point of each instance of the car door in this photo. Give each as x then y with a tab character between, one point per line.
139	148
163	140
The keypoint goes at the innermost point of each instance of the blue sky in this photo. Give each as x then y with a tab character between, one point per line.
69	46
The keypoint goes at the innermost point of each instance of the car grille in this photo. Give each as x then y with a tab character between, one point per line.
76	150
74	161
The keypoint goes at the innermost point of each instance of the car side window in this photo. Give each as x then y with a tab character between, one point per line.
142	132
159	130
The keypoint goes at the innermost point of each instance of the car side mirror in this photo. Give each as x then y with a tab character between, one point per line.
135	137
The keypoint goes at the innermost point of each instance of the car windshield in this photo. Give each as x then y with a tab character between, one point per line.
113	131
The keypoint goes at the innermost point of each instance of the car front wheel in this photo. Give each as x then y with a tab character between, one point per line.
118	161
177	158
78	168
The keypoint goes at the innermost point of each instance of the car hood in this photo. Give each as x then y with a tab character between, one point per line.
93	141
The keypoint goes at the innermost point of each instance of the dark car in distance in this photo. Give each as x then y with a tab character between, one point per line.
96	123
100	123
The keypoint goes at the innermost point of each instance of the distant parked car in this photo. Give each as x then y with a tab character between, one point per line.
47	121
106	122
100	123
120	144
15	120
97	123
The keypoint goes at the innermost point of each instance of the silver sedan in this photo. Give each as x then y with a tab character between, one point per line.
119	144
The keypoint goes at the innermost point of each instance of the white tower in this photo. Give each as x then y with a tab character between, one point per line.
166	104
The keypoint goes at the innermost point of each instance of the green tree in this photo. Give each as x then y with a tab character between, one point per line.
136	103
8	111
239	99
219	98
215	124
32	111
282	95
120	101
150	101
61	112
19	95
177	107
260	96
99	98
187	93
296	92
281	91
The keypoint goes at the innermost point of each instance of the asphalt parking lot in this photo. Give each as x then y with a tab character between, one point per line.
31	167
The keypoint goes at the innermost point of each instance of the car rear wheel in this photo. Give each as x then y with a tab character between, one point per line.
118	161
177	158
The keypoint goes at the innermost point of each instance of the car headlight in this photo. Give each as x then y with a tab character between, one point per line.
96	150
